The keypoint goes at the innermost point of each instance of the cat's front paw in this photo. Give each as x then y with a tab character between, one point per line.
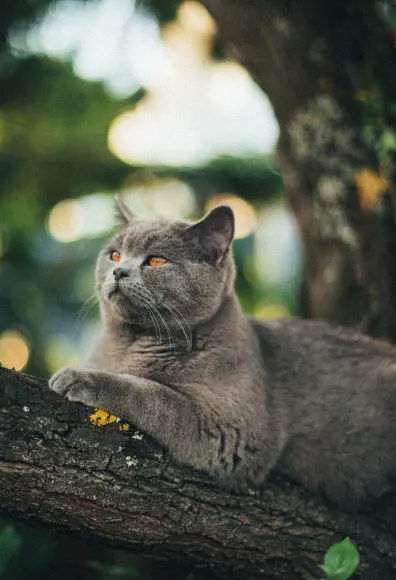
75	384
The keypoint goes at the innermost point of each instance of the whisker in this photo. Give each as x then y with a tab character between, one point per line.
155	322
149	302
151	310
87	308
176	317
168	330
173	310
190	340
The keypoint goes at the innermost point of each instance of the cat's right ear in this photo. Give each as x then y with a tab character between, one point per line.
215	232
123	213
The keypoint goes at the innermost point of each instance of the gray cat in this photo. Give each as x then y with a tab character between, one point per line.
227	394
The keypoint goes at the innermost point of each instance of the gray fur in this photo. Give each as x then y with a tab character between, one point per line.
227	394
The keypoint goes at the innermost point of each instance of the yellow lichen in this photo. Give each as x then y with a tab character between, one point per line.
124	427
100	418
370	187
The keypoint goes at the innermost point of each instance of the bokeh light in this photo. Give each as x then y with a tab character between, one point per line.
194	17
162	198
245	214
227	88
89	216
272	311
130	136
196	108
14	350
64	221
92	216
278	251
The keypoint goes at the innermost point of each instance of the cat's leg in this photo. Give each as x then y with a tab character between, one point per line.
190	430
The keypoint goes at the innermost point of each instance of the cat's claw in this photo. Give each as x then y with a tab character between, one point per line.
75	384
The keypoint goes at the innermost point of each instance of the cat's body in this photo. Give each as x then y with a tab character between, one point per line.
229	395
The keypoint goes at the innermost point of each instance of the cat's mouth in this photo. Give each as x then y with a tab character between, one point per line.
114	291
121	304
118	298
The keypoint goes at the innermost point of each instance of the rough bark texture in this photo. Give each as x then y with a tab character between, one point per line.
112	485
329	70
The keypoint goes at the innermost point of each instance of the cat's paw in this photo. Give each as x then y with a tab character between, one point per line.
75	384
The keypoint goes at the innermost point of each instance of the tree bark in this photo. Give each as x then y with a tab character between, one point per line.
114	485
329	70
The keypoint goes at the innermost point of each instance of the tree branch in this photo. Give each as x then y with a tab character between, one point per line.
108	484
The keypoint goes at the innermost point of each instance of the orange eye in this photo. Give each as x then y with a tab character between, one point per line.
155	261
115	256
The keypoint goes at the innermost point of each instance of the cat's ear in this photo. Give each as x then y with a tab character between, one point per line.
215	232
123	213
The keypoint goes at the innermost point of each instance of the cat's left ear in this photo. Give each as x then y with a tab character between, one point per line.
123	213
215	232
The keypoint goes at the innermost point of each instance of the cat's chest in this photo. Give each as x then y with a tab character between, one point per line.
166	364
157	363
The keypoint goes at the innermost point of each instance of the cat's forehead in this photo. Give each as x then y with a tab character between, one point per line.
140	236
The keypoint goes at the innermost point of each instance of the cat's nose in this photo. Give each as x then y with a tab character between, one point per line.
120	273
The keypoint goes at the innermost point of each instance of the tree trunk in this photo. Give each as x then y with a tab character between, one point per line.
329	70
111	484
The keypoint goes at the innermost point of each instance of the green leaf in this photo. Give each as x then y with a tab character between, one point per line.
388	140
341	560
10	544
368	134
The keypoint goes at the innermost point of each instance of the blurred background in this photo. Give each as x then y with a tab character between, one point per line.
107	96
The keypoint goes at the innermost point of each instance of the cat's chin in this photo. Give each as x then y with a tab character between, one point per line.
115	296
120	307
124	318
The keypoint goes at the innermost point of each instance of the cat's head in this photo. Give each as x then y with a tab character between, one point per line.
171	269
